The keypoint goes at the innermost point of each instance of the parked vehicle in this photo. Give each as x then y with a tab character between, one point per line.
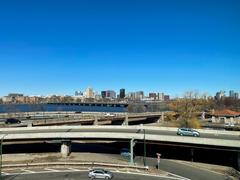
100	174
125	152
229	125
12	121
188	132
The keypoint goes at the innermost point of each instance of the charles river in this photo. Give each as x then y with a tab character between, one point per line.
9	108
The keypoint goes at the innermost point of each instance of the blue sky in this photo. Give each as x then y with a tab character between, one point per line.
59	46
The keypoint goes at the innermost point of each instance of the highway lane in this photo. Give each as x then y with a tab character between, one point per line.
122	130
184	170
79	176
170	169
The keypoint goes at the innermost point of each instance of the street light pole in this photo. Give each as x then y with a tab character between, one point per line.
144	144
1	157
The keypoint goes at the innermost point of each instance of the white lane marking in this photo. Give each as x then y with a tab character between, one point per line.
28	171
4	173
117	171
152	175
53	170
181	177
73	169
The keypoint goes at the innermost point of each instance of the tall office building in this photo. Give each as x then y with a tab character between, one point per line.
78	93
111	94
220	95
236	95
139	95
161	96
103	94
122	93
153	95
231	94
89	93
108	94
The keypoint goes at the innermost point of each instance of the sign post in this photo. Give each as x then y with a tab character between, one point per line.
158	159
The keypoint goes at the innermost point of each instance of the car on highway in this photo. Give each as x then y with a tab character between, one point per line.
188	132
12	121
109	115
100	174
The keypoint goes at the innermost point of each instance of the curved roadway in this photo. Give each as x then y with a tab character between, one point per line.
208	137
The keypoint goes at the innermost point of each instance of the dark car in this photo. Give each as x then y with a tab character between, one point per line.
187	132
125	152
12	121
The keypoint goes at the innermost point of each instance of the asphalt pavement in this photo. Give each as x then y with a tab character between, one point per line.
184	170
122	130
83	175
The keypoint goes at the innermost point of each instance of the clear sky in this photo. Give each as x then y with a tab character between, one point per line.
59	46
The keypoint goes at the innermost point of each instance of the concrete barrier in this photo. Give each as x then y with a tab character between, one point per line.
88	164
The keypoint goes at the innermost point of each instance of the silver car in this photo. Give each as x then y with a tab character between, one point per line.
188	132
100	174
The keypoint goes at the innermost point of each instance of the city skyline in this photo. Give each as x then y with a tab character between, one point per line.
49	48
83	92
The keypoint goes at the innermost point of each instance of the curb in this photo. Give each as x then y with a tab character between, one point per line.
91	164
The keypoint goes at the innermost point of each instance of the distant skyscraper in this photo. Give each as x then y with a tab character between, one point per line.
103	94
161	96
236	95
111	94
153	95
89	93
220	95
122	93
78	93
108	94
166	97
231	94
139	95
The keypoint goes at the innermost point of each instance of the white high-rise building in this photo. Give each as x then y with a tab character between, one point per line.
161	96
89	93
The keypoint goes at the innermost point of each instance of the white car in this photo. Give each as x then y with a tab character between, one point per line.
100	174
229	125
109	115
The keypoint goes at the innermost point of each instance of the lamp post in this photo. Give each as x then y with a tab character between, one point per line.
1	156
144	147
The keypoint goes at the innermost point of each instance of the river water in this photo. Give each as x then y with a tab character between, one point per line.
9	108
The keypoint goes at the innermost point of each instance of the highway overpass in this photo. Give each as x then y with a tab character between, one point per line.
163	134
226	140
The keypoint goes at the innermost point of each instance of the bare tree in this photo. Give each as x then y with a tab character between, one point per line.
188	108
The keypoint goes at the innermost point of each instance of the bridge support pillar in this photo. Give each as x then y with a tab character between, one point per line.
192	154
126	120
95	121
162	116
66	148
132	144
161	119
29	124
